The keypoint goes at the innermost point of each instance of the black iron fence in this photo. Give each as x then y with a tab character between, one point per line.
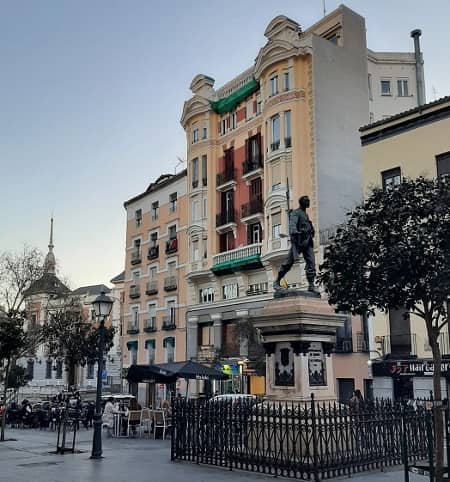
308	440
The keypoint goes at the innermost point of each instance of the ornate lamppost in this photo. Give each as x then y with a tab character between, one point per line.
102	306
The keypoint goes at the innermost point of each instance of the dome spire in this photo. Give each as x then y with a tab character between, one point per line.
50	262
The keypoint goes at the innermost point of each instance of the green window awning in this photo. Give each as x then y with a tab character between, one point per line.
249	262
150	344
227	104
132	345
170	340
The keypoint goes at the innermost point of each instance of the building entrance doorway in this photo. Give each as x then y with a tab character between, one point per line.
403	388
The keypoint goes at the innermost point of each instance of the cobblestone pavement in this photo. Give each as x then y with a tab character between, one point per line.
29	459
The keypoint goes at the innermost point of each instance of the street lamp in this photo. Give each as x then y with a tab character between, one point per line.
102	307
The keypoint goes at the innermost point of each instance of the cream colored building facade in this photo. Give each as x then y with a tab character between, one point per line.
153	322
291	119
412	144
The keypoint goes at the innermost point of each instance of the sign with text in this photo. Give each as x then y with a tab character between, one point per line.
411	368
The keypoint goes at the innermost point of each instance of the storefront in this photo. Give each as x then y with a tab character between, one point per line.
407	379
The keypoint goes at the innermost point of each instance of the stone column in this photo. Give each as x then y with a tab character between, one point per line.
242	317
217	327
191	337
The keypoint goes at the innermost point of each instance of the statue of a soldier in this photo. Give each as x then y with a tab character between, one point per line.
301	232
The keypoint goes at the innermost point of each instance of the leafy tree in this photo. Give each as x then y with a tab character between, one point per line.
72	339
17	377
13	343
394	252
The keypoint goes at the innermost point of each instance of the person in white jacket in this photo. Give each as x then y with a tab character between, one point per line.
108	415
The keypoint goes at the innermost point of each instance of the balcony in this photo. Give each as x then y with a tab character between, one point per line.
170	283
252	168
133	328
257	289
136	257
274	146
247	257
362	342
287	142
171	246
153	252
225	179
151	288
399	346
226	220
150	324
135	291
168	323
343	345
253	209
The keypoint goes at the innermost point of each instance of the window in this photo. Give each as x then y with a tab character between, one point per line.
233	120
230	291
152	273
276	225
153	239
172	231
195	211
135	317
385	87
276	176
443	164
155	207
205	130
90	370
223	126
135	277
273	85
169	345
205	170
133	356
151	352
275	127
59	369
173	202
138	217
195	250
249	110
194	173
204	208
258	106
48	369
226	241
334	39
195	135
286	81
172	268
253	152
369	85
172	311
254	233
206	334
391	178
402	88
287	129
206	295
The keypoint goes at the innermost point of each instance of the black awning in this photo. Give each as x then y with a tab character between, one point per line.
149	373
191	371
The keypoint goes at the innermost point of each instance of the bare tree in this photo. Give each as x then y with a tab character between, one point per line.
17	272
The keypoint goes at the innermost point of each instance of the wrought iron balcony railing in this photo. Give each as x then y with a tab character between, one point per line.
252	164
171	246
151	288
399	345
170	283
225	176
135	291
169	323
133	328
226	217
153	252
150	324
254	206
136	257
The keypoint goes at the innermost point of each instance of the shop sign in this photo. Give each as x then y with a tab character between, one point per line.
411	368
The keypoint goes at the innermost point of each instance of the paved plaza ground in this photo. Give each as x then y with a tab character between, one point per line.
28	459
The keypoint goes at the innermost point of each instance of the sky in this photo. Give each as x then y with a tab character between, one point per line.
91	94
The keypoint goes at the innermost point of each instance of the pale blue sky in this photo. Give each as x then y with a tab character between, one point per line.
91	93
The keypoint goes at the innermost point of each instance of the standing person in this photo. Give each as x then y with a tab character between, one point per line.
108	415
301	232
357	400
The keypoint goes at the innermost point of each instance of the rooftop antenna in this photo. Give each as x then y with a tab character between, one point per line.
180	162
324	8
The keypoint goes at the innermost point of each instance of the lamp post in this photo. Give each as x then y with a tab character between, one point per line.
102	306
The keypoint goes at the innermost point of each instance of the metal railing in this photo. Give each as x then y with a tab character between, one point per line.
170	283
257	288
238	253
133	328
151	288
362	342
343	345
135	291
136	257
225	176
399	345
171	246
252	164
254	206
303	440
153	252
226	217
168	322
150	324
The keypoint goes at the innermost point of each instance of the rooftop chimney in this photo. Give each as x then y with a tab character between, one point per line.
415	34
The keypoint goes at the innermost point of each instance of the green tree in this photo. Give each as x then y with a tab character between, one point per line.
17	377
13	343
394	252
72	339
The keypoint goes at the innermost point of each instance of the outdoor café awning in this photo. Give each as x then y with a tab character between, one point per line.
170	372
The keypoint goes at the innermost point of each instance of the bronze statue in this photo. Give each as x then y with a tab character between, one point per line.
301	232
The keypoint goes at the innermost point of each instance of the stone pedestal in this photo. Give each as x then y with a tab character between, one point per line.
298	331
